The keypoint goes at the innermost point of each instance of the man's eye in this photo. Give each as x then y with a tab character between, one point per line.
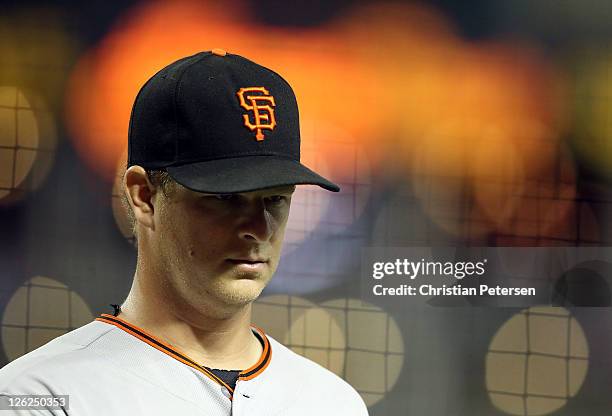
226	197
276	199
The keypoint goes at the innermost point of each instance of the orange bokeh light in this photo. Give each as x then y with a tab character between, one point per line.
463	120
106	80
330	85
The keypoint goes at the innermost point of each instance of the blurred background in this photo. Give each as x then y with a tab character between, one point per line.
446	123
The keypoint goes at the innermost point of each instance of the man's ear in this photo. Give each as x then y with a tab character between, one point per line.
140	193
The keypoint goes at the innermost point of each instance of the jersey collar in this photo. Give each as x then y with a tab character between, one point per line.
175	353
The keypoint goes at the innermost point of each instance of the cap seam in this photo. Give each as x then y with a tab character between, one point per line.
179	84
131	123
140	91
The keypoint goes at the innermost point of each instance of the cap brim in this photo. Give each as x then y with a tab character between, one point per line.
245	174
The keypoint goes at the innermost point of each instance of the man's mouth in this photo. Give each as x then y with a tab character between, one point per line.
247	261
249	264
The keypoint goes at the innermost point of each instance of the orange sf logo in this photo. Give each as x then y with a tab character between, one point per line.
260	102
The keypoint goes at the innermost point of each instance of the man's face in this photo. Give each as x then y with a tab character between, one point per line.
219	250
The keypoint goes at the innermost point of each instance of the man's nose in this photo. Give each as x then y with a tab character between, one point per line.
258	223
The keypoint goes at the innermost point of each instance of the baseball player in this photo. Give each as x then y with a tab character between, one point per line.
213	159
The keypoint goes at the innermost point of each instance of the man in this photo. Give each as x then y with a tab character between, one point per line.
213	159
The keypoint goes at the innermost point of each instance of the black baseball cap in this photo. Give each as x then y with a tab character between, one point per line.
219	123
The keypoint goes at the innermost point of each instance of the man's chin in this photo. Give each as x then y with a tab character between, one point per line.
241	291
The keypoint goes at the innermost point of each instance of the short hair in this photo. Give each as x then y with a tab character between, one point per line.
161	180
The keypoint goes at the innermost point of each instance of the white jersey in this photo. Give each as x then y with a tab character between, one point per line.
111	367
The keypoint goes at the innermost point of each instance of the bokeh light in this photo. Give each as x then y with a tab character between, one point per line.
36	52
500	129
536	362
308	330
374	350
546	210
355	340
39	311
27	143
348	165
592	136
309	203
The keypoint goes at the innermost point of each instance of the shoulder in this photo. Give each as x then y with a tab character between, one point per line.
315	380
64	357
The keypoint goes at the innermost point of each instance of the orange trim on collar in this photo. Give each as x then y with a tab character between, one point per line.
265	358
177	354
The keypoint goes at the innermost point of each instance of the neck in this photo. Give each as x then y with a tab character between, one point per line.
225	342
